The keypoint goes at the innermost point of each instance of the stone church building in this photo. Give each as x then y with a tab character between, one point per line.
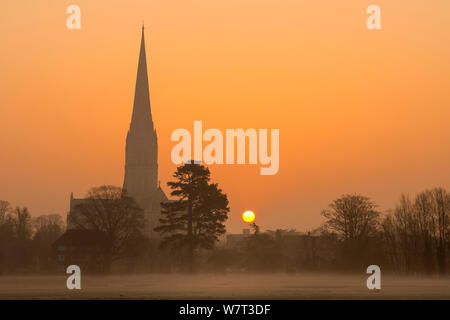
141	154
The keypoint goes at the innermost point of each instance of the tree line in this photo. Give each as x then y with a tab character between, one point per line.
412	238
416	233
25	242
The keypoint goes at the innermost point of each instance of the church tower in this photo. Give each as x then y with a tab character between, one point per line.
141	151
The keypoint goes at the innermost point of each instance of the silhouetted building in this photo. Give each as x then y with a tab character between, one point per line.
284	233
234	239
141	154
84	248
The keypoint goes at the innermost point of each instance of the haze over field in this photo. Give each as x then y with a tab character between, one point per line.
232	286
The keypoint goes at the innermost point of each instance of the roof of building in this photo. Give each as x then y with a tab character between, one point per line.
82	238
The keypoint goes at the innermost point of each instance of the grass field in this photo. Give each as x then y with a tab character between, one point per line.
231	286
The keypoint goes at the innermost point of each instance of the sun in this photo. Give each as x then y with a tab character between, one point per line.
248	216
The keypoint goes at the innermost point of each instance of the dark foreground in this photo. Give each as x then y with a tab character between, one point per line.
231	286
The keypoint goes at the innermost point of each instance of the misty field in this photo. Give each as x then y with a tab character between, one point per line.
230	286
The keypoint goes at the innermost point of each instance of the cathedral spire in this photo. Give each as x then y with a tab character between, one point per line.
141	150
141	106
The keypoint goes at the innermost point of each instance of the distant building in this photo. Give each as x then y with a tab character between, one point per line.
84	248
141	154
284	233
288	235
234	239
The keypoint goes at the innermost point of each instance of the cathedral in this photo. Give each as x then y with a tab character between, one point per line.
141	154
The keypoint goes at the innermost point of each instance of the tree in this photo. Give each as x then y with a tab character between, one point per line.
354	219
20	249
403	236
5	209
46	229
425	223
417	232
195	220
262	252
22	223
441	211
108	209
7	236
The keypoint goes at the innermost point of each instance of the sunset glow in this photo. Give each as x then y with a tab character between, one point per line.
358	110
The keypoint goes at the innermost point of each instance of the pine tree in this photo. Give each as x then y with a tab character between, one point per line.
195	219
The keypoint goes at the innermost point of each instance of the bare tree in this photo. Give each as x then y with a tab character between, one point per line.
441	212
417	232
47	228
390	242
5	209
22	220
109	210
7	236
353	217
425	221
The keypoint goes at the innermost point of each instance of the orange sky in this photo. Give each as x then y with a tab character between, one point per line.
358	110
